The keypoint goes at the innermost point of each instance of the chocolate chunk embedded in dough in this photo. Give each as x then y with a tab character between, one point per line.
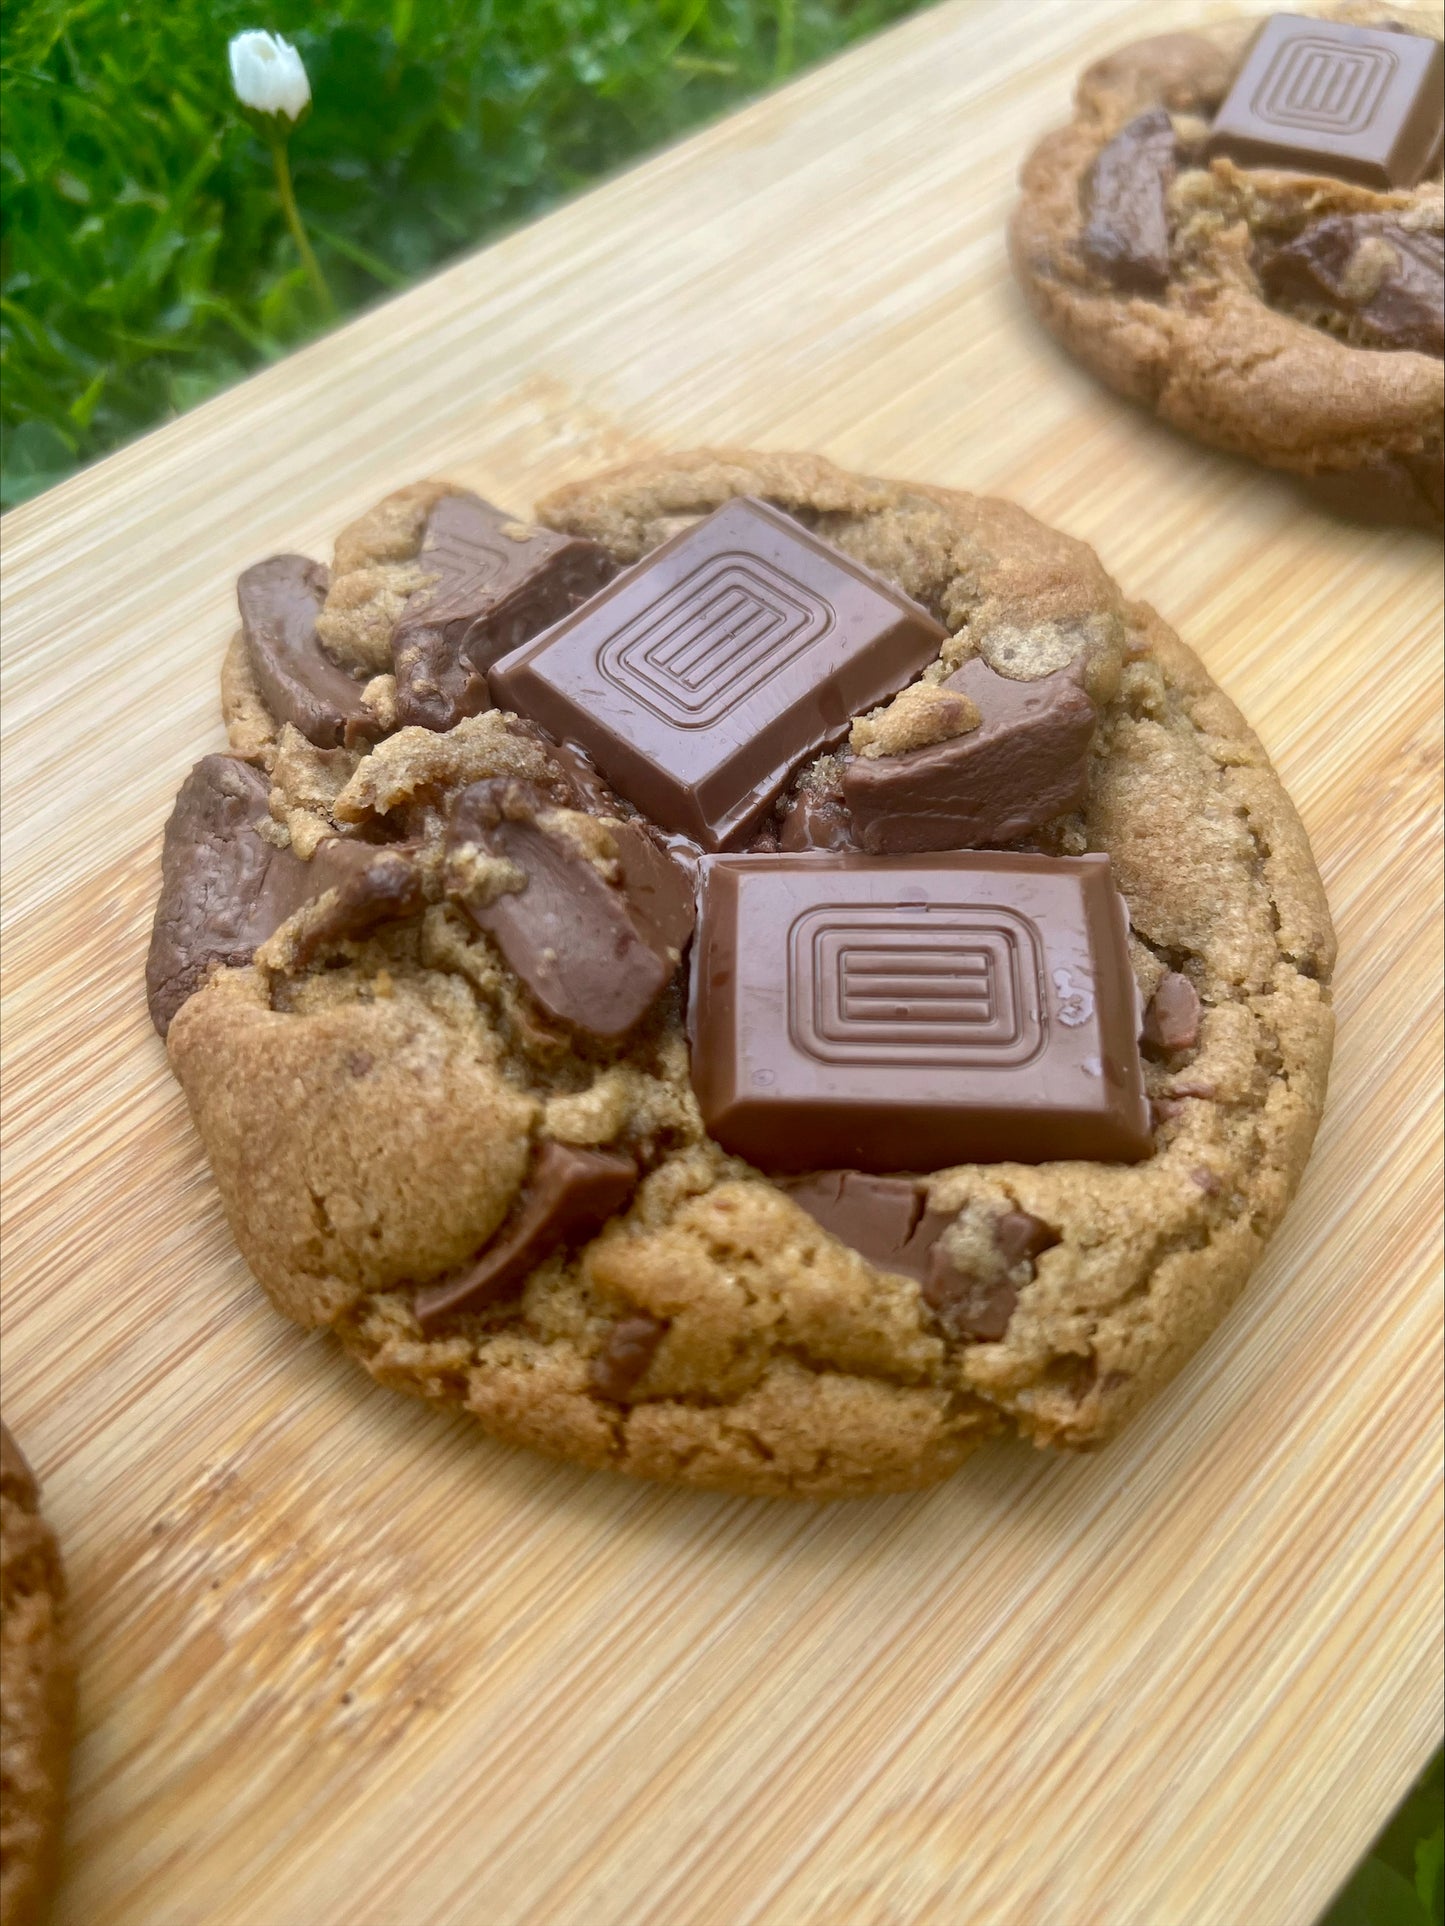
224	887
659	890
280	600
568	1194
1380	284
1027	762
1171	1021
819	819
500	582
628	1350
369	886
885	1219
595	952
1125	205
975	1304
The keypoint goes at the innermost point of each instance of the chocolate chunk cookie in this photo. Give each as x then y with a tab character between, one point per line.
1047	897
1242	228
35	1693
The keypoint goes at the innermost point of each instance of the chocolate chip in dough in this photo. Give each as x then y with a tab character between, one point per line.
226	886
975	1305
1171	1021
1379	284
885	1219
1025	763
299	682
626	1353
594	952
569	1193
1125	205
372	885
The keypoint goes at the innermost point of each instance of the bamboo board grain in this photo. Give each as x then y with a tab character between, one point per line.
345	1661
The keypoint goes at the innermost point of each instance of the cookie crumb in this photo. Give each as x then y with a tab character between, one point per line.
918	718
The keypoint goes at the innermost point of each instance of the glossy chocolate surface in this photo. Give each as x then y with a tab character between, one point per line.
1125	204
498	582
595	951
702	679
1383	284
1318	97
885	1219
569	1193
1025	763
280	600
894	1013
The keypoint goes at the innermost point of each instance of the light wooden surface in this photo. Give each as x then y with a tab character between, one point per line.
345	1662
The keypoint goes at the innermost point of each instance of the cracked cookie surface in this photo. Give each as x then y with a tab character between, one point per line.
1288	317
384	1102
35	1693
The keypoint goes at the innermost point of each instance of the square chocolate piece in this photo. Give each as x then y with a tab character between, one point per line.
911	1013
1316	97
702	679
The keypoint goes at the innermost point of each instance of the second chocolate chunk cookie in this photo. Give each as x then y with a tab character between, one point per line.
1242	227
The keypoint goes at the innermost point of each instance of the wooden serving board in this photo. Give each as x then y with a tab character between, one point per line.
344	1662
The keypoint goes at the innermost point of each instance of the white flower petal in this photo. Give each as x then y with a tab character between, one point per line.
268	75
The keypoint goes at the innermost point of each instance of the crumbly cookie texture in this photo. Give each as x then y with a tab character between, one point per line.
1207	351
369	1123
35	1693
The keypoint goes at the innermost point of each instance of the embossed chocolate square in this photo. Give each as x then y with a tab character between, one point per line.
702	679
1318	97
910	1013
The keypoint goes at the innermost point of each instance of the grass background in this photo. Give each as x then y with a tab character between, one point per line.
146	263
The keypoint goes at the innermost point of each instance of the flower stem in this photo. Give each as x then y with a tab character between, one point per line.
294	222
783	62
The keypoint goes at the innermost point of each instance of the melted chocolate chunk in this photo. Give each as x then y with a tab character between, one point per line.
1171	1021
1125	205
568	1194
1019	1234
885	1219
280	600
1026	762
501	581
588	791
819	819
373	885
225	887
976	1306
594	953
623	1361
1383	283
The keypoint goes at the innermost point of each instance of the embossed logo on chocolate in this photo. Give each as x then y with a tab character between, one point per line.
1319	85
910	983
467	563
714	638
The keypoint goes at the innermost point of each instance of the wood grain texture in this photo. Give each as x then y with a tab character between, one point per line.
347	1663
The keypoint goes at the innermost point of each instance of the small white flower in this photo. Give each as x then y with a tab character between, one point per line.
268	75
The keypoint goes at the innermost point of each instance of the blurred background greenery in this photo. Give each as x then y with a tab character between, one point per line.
146	262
